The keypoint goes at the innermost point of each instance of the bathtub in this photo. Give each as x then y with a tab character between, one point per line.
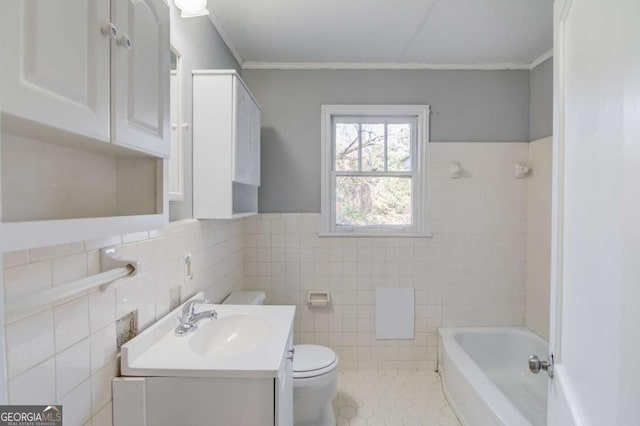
486	378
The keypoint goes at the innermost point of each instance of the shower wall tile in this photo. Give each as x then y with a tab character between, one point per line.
472	272
539	237
487	251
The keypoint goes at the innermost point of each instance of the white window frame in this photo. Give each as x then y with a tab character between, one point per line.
420	152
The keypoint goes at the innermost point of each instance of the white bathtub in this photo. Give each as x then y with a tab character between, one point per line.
486	377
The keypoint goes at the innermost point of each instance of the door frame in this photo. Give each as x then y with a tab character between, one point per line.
562	403
561	11
4	383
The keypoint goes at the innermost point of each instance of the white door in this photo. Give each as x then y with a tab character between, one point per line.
56	63
595	324
140	78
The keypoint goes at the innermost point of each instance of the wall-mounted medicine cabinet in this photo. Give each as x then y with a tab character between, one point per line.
226	146
178	127
104	77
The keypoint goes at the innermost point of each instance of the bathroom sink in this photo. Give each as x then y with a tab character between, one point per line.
243	341
230	335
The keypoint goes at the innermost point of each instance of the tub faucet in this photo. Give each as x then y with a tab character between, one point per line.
189	318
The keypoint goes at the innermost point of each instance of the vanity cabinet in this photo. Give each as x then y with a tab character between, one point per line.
226	146
256	398
88	67
284	389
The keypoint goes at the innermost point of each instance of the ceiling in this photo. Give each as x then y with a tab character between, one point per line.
494	33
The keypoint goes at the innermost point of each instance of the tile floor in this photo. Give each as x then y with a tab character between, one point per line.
392	398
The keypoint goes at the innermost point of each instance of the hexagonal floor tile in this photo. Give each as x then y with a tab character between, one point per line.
376	421
391	398
348	412
382	411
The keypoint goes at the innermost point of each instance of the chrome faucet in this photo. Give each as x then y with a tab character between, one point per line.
189	318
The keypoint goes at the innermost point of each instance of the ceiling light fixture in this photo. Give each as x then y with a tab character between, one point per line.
192	8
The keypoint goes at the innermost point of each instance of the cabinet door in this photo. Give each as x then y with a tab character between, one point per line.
140	76
284	388
254	123
176	161
55	63
246	148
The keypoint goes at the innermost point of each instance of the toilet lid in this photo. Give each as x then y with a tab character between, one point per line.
312	358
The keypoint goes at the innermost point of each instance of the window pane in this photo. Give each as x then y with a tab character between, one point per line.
372	147
399	147
347	146
373	200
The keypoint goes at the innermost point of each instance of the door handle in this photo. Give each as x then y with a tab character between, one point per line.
110	30
535	365
124	42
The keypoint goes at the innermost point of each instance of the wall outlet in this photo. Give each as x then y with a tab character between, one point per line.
126	328
188	267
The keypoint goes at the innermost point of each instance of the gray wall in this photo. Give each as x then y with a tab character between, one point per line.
201	47
466	106
541	101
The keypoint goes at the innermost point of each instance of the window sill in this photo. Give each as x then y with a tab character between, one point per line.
374	235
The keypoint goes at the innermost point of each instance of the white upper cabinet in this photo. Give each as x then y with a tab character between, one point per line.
226	146
246	146
85	119
90	67
176	161
55	64
140	81
178	128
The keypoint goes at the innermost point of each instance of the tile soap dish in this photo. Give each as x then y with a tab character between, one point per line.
318	298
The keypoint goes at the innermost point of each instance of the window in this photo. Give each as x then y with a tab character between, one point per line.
374	160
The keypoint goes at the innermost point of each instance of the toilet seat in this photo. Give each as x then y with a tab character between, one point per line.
313	361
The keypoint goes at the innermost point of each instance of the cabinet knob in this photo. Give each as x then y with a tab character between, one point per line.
292	352
125	42
185	125
110	30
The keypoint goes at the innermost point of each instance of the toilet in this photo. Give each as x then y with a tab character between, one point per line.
315	384
315	374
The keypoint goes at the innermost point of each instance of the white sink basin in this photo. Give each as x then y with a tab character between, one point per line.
230	335
244	341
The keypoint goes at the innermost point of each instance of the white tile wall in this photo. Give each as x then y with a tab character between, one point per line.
539	237
67	352
471	273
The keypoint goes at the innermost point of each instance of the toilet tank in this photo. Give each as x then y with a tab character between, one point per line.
245	298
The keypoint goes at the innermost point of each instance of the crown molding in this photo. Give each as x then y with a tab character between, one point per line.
540	59
381	66
490	66
223	35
